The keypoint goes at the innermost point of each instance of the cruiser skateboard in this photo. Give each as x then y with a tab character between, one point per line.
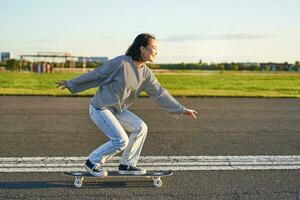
154	175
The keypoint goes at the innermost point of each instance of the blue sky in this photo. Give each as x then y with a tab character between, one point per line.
186	31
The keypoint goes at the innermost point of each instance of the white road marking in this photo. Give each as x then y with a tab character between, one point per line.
176	163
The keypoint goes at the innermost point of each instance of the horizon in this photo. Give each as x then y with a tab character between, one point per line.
211	31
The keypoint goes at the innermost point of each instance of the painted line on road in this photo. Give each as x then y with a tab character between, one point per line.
176	163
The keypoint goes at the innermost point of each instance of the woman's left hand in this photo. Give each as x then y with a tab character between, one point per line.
61	84
190	112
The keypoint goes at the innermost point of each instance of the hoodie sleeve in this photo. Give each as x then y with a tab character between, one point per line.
161	96
93	78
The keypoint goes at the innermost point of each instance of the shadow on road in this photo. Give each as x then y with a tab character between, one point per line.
32	185
69	184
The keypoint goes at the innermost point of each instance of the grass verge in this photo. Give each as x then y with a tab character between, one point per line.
178	83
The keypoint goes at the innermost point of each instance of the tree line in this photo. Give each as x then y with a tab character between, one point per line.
14	64
231	66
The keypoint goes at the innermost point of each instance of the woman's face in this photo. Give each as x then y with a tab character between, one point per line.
149	52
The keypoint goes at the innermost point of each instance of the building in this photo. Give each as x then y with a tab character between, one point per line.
276	66
92	59
98	59
5	56
44	62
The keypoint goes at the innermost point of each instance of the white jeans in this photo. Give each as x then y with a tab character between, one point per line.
114	126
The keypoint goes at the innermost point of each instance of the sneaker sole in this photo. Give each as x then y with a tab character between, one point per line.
132	172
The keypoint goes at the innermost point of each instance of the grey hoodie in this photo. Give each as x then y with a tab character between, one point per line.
120	82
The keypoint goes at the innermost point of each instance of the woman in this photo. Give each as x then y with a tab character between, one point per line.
120	81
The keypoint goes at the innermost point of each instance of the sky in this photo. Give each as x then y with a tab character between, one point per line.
186	30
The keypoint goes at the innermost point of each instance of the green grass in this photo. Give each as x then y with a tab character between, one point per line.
178	83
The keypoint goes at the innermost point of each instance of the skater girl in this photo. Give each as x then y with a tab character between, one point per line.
120	81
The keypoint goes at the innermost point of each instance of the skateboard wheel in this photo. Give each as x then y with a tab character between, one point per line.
157	183
78	182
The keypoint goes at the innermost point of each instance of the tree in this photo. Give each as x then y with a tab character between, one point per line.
92	64
254	67
12	64
297	66
221	67
231	66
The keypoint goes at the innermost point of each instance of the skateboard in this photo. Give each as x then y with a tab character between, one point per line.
154	175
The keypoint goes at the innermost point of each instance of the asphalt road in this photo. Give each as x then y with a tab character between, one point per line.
51	126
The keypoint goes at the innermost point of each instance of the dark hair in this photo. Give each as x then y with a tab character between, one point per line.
134	49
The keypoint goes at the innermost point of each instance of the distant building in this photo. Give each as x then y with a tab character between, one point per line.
276	66
249	64
92	59
5	56
98	59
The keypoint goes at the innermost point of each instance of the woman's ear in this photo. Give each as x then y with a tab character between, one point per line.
143	49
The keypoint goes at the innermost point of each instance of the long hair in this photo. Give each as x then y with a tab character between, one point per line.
141	40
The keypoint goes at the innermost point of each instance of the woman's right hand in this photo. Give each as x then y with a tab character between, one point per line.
190	112
61	84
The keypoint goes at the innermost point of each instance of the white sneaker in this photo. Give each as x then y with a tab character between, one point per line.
94	170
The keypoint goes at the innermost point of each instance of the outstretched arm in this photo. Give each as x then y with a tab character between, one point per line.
91	79
163	98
